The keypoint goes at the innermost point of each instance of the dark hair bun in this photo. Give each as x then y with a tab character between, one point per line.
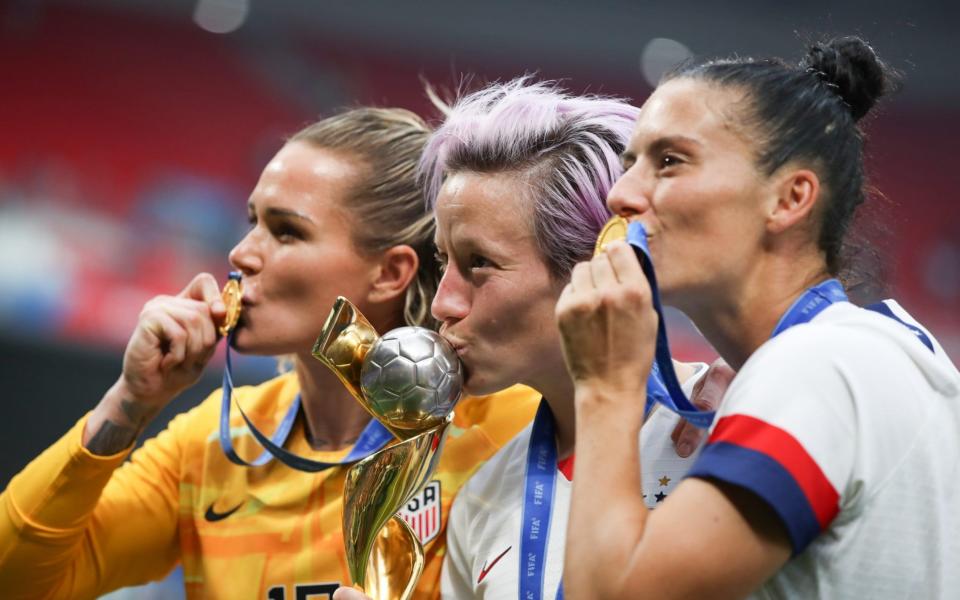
851	67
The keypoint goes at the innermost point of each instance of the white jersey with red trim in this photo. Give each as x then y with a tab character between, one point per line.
483	531
849	428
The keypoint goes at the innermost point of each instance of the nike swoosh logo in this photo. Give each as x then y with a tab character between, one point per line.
214	516
486	569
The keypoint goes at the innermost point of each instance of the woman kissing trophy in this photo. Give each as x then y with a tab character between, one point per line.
409	379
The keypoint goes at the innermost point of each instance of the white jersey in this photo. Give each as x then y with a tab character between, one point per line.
857	451
483	532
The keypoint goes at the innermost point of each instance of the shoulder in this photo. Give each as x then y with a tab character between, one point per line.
501	477
500	416
844	352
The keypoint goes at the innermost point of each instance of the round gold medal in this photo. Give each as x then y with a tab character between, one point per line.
232	295
615	229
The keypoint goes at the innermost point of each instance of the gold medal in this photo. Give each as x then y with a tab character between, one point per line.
232	295
615	229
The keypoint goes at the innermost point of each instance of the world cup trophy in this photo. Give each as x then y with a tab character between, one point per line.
409	380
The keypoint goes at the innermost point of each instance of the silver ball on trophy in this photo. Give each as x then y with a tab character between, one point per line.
412	378
409	379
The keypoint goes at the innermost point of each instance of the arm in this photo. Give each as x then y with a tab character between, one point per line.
673	550
632	548
70	526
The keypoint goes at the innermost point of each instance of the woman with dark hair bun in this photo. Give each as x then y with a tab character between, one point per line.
831	467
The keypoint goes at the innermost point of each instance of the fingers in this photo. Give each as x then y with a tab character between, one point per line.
168	335
714	385
195	319
623	261
349	593
707	395
686	438
204	287
581	279
183	329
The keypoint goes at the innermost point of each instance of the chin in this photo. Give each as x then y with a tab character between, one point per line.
245	342
480	386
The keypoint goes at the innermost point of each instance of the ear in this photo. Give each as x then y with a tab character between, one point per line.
395	271
797	192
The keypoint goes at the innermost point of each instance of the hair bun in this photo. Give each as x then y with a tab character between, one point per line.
852	68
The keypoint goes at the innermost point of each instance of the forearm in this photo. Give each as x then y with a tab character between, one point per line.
116	422
44	513
608	463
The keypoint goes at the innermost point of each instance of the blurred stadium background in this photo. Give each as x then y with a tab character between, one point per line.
131	133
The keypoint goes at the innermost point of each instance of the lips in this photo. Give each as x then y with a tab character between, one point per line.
458	345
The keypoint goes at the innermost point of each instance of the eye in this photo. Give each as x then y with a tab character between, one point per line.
284	232
668	160
479	262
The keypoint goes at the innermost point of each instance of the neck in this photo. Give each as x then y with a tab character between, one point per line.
558	392
738	320
333	418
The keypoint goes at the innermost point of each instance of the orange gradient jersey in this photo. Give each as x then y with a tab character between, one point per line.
265	532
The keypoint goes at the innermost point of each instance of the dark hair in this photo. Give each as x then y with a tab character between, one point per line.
809	112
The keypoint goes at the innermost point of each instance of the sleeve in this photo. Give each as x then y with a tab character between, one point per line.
455	582
786	432
76	525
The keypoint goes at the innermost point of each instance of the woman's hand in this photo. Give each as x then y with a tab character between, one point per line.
707	395
174	340
608	326
349	593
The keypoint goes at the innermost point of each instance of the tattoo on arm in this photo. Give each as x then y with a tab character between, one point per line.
112	437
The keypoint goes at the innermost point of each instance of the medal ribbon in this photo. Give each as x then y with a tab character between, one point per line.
540	481
663	387
374	437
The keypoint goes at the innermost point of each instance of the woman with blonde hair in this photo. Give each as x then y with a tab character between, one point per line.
338	211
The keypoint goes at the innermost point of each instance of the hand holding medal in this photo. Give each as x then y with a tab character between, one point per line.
623	273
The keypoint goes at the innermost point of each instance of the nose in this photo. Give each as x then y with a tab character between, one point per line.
452	300
629	196
246	256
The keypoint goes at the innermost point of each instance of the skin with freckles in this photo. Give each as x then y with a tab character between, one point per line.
496	297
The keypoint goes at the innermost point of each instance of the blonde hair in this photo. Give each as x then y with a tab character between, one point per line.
387	203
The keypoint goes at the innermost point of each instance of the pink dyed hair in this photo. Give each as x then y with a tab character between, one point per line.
568	147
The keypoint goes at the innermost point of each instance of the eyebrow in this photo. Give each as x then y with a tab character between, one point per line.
671	140
281	212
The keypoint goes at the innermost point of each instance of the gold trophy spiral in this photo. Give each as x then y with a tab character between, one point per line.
409	380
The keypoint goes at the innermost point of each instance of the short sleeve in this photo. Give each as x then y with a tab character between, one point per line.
786	430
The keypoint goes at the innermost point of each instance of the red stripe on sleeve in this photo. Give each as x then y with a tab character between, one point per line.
779	445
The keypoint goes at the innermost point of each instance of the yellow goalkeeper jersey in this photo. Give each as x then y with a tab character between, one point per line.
74	525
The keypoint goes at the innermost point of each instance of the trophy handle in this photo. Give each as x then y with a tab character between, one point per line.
344	341
375	489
